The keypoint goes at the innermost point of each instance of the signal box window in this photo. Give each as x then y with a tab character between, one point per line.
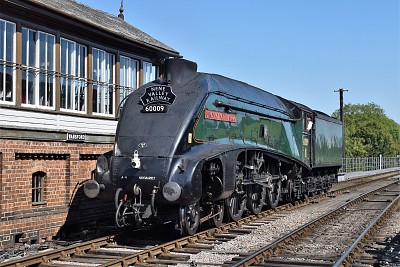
103	82
73	76
128	76
38	68
37	187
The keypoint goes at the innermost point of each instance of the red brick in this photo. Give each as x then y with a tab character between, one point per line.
15	184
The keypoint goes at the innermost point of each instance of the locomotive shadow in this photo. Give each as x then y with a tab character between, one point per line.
86	218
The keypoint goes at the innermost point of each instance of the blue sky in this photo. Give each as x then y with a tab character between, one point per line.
302	50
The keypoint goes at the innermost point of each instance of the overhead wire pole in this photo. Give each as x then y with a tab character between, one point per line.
341	90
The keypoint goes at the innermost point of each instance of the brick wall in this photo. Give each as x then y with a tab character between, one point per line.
65	167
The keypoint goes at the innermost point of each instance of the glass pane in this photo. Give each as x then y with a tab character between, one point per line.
24	46
38	180
31	48
10	29
50	90
95	98
64	56
135	72
147	68
71	51
63	93
9	84
80	84
100	96
110	66
76	95
50	52
24	86
77	61
122	71
2	29
43	64
122	79
39	195
95	64
31	88
42	89
101	66
69	93
2	83
82	61
110	99
82	96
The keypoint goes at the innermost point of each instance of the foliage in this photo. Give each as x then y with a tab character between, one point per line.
368	132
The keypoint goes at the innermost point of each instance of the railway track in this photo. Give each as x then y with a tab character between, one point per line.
322	241
383	249
213	247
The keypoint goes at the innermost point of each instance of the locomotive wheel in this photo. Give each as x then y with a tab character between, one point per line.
273	195
234	207
290	196
189	218
255	198
117	197
217	209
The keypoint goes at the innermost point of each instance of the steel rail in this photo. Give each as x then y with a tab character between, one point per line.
267	251
77	249
55	254
347	257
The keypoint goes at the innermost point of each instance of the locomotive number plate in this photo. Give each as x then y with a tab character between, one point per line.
156	108
157	98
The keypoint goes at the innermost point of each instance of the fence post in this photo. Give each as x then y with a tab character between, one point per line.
380	161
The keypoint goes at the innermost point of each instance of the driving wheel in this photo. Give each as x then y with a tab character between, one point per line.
218	211
234	206
255	198
273	195
189	218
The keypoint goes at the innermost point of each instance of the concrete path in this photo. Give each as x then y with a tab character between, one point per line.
352	175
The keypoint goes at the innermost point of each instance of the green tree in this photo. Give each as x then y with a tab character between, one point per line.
369	132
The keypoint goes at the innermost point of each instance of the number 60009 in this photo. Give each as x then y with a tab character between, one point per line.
155	108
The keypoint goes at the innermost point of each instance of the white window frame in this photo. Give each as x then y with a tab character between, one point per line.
105	72
37	70
75	78
6	63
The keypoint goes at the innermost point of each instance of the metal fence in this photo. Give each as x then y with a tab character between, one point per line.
369	164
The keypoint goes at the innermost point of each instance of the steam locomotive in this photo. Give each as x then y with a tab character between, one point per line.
192	148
